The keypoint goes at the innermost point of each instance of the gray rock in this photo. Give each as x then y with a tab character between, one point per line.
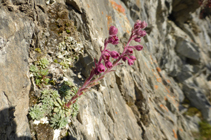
197	98
193	123
15	33
17	2
188	49
186	72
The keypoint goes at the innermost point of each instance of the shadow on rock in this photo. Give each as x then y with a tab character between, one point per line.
8	126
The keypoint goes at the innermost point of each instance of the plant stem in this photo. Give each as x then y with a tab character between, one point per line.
88	83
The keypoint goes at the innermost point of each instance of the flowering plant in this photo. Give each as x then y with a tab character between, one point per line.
100	68
205	3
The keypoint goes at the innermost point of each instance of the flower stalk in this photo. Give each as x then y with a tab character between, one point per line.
99	69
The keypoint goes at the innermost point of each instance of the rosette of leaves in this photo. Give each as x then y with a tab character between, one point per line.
36	112
52	105
43	63
40	75
57	121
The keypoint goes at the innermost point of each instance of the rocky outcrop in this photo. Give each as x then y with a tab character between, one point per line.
139	102
16	32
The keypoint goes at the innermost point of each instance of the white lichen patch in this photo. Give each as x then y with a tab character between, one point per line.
50	1
68	51
56	134
65	79
89	123
44	120
36	122
94	124
102	88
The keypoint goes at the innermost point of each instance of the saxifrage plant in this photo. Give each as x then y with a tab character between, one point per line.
127	55
205	3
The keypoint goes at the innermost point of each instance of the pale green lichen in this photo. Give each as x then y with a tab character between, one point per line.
68	50
38	50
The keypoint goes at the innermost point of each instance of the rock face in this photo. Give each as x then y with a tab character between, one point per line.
15	36
136	102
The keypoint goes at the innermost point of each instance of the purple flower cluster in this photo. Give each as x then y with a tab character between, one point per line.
126	55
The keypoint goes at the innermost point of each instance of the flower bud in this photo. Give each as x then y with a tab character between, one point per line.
137	24
137	39
143	25
100	68
114	54
138	32
124	58
113	40
142	33
129	51
108	64
130	62
132	57
96	71
113	30
138	47
106	56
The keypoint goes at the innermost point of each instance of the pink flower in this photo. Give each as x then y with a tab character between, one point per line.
124	58
129	51
137	24
113	30
113	40
138	32
106	56
137	39
114	54
96	71
143	25
132	57
99	69
142	33
108	64
138	47
130	62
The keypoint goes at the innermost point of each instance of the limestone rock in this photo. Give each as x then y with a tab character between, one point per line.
188	49
15	32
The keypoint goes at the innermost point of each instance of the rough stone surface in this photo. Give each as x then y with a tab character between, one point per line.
134	102
188	49
15	32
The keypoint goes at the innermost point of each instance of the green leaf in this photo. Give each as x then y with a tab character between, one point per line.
37	81
46	80
56	110
44	72
43	62
56	104
45	92
63	122
55	94
33	68
36	112
59	101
